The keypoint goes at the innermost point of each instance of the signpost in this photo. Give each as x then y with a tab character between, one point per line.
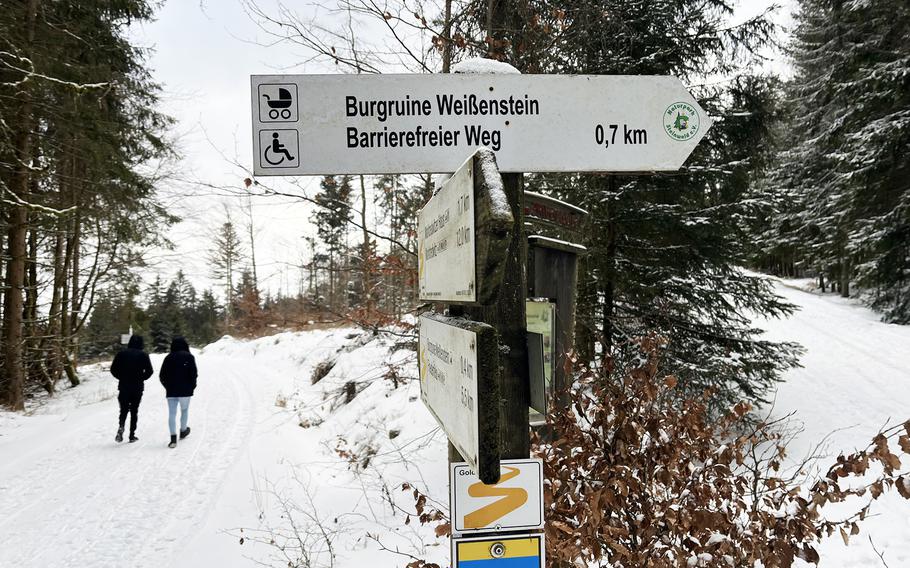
459	383
461	233
474	253
513	504
376	124
446	233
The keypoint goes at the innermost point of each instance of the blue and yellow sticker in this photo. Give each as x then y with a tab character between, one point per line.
525	551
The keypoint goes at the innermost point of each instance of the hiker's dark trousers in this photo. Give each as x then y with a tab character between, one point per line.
129	403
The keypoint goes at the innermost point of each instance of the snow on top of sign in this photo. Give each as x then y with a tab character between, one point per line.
481	65
558	242
438	180
499	204
557	202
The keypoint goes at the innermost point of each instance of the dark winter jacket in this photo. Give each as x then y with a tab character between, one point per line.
178	372
132	367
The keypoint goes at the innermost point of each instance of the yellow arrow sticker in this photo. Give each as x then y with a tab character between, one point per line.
421	261
512	498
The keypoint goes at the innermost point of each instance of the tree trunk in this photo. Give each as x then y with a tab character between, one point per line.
229	291
65	294
845	277
365	261
447	38
13	369
609	276
33	343
331	281
252	242
72	340
55	358
31	286
585	304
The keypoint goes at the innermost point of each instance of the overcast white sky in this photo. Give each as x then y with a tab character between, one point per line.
204	54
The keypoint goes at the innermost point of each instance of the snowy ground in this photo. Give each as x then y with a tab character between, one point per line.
265	437
855	378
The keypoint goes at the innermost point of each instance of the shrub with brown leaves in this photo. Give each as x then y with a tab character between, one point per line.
637	477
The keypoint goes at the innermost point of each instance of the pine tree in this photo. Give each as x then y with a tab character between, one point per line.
664	250
845	212
225	257
114	313
205	320
249	315
331	219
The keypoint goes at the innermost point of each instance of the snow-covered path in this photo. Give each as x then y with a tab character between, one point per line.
855	373
72	497
855	378
65	481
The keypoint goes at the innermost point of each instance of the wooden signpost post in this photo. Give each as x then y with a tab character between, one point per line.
463	234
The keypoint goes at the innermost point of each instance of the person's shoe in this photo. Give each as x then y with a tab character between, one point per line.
133	438
173	443
185	433
119	436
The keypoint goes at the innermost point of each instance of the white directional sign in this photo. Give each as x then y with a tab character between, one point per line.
447	358
515	503
351	124
445	237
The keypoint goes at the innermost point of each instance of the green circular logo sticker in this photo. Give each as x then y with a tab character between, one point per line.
681	121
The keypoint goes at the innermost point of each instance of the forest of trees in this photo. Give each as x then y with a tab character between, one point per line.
804	176
841	170
81	146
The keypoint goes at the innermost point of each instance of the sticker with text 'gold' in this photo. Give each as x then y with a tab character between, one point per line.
515	503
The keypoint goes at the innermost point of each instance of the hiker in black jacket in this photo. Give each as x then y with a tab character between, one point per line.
178	375
131	367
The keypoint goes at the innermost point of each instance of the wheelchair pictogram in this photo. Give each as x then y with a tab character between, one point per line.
279	148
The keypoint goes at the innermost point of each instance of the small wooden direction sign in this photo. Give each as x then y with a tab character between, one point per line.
459	383
512	551
513	504
462	234
552	216
377	124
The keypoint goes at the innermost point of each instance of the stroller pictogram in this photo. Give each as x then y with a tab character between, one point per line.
283	101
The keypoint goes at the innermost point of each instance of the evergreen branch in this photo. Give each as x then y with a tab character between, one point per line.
18	201
32	74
